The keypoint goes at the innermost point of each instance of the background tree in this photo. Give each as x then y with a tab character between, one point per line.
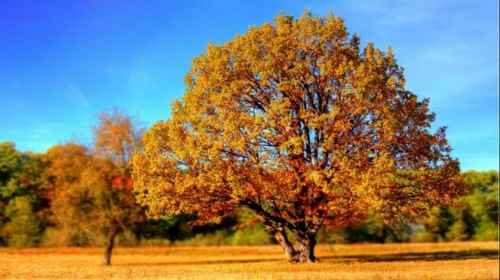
24	227
294	122
482	202
22	198
473	217
71	205
115	138
435	226
93	187
10	166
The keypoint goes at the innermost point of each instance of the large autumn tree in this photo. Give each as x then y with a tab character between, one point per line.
294	121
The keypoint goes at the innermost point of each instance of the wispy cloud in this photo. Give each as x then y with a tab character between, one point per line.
70	90
76	93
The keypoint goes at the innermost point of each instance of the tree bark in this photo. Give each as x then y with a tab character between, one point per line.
278	231
305	249
109	247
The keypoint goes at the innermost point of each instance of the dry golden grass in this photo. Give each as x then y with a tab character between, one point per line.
471	260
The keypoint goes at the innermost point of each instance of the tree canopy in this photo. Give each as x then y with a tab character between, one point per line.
298	123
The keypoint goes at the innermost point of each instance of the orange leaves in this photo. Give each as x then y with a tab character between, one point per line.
122	182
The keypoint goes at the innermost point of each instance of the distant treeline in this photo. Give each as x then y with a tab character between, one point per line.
82	195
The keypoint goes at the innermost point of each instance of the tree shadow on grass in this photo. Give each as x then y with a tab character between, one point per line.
427	256
202	262
418	256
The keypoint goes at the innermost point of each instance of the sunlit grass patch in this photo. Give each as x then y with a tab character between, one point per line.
468	260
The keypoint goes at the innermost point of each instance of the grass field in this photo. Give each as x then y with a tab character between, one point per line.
470	260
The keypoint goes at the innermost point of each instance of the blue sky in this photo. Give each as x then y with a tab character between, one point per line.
62	62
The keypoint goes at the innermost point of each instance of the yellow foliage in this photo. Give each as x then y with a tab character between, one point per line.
294	121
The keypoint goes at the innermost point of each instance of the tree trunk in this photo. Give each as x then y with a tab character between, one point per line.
109	247
290	253
278	231
305	248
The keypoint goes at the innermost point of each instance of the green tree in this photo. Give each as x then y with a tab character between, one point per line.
437	223
25	227
483	203
373	229
11	162
22	198
463	225
298	124
474	216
